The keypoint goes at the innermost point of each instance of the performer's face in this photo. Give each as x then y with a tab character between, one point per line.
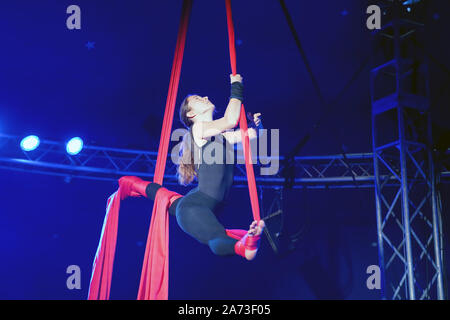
199	105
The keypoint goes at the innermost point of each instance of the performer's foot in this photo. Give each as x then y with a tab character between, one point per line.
248	245
132	186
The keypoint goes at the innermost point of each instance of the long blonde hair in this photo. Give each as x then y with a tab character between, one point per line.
186	167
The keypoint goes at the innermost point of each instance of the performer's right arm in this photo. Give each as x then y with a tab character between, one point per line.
232	113
233	110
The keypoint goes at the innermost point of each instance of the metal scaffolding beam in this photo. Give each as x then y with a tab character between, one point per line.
102	163
408	209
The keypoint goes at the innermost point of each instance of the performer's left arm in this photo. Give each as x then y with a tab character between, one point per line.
235	136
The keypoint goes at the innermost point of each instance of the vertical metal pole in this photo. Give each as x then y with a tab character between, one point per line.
441	236
376	174
405	205
403	146
436	220
378	211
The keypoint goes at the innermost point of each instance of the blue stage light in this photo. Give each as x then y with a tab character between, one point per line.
29	143
74	146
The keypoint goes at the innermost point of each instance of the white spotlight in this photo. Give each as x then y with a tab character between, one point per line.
74	146
29	143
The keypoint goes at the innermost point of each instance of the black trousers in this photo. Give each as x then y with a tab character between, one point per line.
195	214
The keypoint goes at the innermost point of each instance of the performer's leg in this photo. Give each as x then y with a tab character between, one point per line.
134	186
173	207
248	245
201	223
222	246
151	190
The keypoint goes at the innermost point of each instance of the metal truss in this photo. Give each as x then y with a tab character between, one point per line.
102	163
407	206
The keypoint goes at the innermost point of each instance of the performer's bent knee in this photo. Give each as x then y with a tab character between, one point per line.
223	246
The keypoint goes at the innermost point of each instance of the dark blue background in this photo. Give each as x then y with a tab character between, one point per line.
114	94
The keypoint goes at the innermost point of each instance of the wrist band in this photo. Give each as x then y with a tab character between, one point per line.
237	91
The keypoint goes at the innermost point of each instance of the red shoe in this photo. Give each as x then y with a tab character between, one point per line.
131	186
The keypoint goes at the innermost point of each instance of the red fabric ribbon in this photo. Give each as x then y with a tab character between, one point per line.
154	280
155	272
100	284
154	284
154	275
243	121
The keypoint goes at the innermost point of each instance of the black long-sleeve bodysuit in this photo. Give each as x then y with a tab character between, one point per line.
196	211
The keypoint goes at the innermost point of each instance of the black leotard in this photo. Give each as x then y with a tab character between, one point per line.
214	174
196	211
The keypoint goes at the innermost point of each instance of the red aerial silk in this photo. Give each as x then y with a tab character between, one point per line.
154	284
154	276
243	122
155	273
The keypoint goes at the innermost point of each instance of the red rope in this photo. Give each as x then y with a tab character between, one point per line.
243	122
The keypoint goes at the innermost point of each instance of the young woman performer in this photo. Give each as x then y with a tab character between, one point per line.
196	211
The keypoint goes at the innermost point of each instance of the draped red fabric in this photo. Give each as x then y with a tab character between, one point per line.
155	269
154	275
243	122
154	282
100	283
156	260
172	94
